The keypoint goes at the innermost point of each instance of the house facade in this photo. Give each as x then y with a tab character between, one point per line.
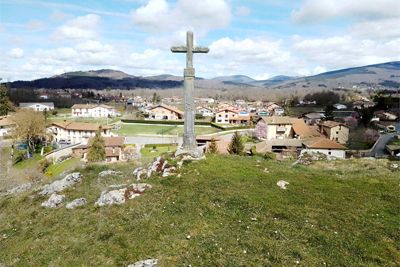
75	132
325	146
5	125
278	127
40	106
204	111
96	111
228	115
164	112
335	131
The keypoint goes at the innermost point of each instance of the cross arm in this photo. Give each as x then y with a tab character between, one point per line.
179	49
201	49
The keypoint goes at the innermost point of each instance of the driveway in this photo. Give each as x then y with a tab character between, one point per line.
380	147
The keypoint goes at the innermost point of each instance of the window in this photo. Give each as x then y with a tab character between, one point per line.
226	116
337	132
329	153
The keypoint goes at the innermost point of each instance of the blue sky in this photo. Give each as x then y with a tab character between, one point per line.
257	38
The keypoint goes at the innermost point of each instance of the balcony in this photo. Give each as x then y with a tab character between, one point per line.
281	129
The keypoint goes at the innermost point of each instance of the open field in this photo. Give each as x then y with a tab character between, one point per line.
340	213
137	129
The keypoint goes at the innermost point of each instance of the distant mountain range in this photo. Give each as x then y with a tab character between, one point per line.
385	75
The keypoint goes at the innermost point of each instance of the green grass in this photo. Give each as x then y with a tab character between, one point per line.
328	214
133	129
146	152
57	169
137	129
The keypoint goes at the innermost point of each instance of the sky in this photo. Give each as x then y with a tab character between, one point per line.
257	38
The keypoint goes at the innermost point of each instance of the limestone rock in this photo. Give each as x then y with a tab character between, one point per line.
145	263
114	196
19	189
60	185
54	201
104	173
168	171
76	203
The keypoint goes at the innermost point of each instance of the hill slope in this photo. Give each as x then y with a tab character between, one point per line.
342	213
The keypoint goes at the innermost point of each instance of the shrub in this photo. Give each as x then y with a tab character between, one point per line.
270	156
43	164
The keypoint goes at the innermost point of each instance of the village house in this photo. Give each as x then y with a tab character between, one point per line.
222	143
114	148
339	106
278	111
38	106
278	127
387	127
325	146
206	100
204	111
74	132
136	103
363	104
385	116
5	125
335	131
271	105
95	111
164	112
232	116
313	118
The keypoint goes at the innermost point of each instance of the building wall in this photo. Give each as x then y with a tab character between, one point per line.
76	136
338	153
339	134
273	134
161	113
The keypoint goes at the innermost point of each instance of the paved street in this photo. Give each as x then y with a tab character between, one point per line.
380	147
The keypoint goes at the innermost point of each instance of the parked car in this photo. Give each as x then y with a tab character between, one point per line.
65	142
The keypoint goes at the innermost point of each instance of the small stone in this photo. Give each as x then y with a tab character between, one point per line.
245	252
188	237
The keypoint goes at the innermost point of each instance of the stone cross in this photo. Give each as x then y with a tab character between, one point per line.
189	136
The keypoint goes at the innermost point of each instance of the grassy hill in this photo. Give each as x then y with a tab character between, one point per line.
342	213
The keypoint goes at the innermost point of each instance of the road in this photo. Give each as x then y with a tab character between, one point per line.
380	147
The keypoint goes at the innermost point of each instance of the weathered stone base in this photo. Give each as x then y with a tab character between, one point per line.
196	152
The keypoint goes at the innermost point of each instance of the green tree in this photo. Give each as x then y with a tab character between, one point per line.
97	152
5	104
212	148
29	126
236	145
329	113
287	111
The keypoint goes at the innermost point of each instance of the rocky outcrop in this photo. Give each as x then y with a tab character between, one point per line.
145	263
76	203
60	185
55	201
120	196
19	189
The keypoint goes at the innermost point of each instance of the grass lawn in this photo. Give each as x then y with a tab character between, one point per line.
57	169
198	130
132	129
147	151
339	213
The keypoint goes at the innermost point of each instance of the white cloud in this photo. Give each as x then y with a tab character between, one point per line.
90	46
36	25
346	51
243	11
158	17
57	15
315	11
379	29
264	76
16	53
78	29
16	41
